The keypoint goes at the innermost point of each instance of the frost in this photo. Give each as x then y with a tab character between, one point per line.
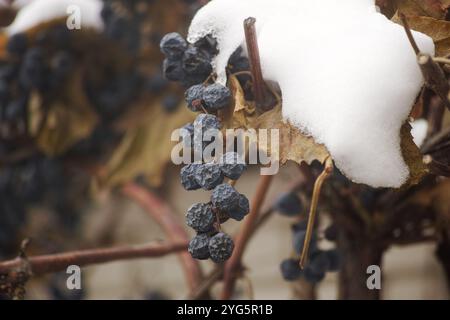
35	12
348	75
419	131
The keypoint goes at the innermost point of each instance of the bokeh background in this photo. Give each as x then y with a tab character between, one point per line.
85	112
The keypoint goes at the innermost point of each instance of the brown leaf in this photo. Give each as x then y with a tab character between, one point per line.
294	145
145	149
68	120
438	30
7	16
428	8
412	155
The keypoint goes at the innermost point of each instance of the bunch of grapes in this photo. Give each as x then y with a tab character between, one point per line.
191	66
26	180
226	203
319	261
43	63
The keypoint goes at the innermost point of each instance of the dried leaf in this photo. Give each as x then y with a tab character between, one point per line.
294	145
438	30
428	8
68	120
145	149
412	155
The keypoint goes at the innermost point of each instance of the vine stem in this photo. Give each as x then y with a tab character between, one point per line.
259	85
44	264
434	75
235	263
328	170
408	31
441	60
164	216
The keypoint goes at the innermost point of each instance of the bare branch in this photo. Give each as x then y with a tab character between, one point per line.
40	265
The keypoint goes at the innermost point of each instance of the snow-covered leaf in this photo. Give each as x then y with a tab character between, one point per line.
354	100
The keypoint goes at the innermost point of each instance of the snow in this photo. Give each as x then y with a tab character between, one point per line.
34	12
419	131
348	75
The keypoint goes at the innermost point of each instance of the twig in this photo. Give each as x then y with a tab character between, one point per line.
175	232
58	262
210	279
434	75
409	34
435	117
436	167
441	60
328	170
433	144
259	86
234	264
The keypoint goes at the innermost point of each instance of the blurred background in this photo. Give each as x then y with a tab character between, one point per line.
85	112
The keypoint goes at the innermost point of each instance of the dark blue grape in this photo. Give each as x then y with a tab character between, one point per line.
290	269
193	97
188	177
221	247
289	204
17	44
196	62
225	198
173	46
201	217
216	97
173	70
242	209
33	70
209	176
199	246
232	165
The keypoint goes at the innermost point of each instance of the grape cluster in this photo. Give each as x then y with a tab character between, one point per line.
186	63
319	261
31	67
225	203
191	66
